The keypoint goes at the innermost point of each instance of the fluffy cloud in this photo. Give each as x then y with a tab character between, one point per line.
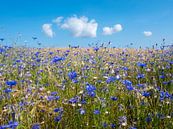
147	33
111	30
58	20
80	27
47	29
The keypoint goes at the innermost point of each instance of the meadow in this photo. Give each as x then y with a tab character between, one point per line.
78	88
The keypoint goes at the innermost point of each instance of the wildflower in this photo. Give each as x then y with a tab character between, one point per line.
162	95
161	76
114	98
50	53
148	119
128	84
35	126
82	111
58	118
92	94
146	94
53	93
11	124
112	125
90	88
51	98
125	68
167	95
105	124
72	75
96	49
141	64
75	81
96	112
8	90
140	76
83	101
73	100
11	83
57	97
56	110
110	79
140	85
57	59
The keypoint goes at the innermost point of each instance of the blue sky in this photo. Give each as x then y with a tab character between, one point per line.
84	22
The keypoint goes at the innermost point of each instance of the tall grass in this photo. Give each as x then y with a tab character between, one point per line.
86	88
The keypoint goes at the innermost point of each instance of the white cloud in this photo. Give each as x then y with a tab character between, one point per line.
47	29
58	20
147	33
118	28
107	30
80	27
111	30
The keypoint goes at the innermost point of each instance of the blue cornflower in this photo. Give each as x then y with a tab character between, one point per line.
35	126
162	76
96	112
146	94
112	125
167	95
67	50
141	64
75	81
50	98
110	79
92	93
8	90
50	53
11	124
37	54
114	98
72	75
105	124
57	59
148	119
162	95
57	97
58	118
96	49
73	100
38	59
58	109
128	84
83	101
11	83
90	88
82	111
125	68
140	76
129	87
53	93
140	85
2	50
18	61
